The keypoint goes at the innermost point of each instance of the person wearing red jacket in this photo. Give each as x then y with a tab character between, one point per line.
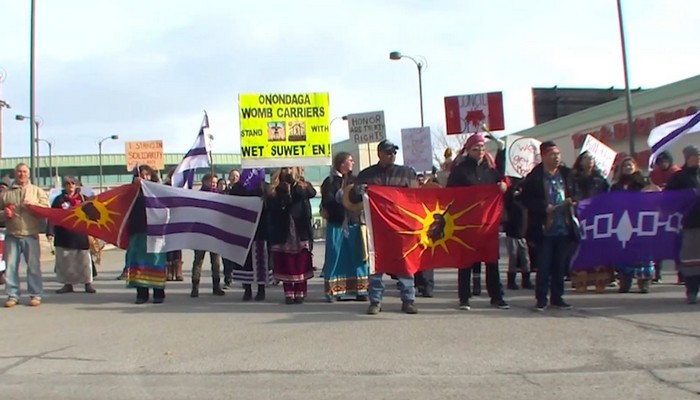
664	169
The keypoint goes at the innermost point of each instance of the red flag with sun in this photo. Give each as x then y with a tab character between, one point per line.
103	216
426	228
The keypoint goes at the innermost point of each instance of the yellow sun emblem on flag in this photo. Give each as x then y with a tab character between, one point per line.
93	212
438	227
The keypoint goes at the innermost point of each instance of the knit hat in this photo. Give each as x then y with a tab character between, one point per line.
691	150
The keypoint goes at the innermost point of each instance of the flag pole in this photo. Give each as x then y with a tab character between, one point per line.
628	94
210	137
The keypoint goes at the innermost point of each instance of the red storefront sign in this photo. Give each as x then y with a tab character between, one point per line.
610	134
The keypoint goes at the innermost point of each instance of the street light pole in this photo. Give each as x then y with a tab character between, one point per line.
420	64
113	137
51	175
628	95
32	105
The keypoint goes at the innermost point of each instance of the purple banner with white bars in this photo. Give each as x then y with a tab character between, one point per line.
630	228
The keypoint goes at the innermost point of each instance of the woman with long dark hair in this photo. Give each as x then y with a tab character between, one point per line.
291	233
586	180
143	270
345	270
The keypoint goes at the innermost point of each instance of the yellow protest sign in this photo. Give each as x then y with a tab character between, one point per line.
279	130
146	152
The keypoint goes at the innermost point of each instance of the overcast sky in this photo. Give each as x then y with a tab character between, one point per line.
146	69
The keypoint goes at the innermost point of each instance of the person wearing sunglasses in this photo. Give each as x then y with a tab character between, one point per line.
387	173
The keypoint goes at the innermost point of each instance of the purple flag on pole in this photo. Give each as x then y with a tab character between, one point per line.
624	227
252	177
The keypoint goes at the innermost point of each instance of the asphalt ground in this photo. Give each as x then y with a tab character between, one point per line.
102	346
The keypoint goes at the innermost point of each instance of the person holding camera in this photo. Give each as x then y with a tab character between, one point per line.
291	233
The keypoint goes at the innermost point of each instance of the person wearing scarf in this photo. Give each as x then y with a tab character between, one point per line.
73	264
664	169
345	268
689	178
475	166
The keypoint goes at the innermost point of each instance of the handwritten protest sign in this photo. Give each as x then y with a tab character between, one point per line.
603	155
417	148
279	130
146	152
367	127
522	155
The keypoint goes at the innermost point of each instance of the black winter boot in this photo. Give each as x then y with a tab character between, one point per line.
260	296
527	283
247	292
141	295
216	287
158	296
511	282
195	289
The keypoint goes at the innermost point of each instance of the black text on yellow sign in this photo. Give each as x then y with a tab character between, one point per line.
279	128
287	150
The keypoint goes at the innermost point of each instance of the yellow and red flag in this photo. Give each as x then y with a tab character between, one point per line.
104	216
426	228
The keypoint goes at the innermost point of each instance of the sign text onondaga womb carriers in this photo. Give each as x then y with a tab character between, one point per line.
279	130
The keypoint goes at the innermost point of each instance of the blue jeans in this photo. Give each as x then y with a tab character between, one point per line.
551	255
16	246
376	288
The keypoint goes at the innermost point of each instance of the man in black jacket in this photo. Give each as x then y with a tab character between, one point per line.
550	224
477	168
387	173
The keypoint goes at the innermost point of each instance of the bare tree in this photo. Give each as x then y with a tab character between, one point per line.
442	141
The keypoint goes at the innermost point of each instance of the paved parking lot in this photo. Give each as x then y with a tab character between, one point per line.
102	346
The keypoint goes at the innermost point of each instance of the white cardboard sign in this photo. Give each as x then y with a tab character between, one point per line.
417	148
367	127
603	155
522	155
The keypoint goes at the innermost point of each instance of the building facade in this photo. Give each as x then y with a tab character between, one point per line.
608	122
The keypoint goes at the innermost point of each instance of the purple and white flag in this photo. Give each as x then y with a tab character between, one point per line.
625	227
196	157
666	135
179	219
